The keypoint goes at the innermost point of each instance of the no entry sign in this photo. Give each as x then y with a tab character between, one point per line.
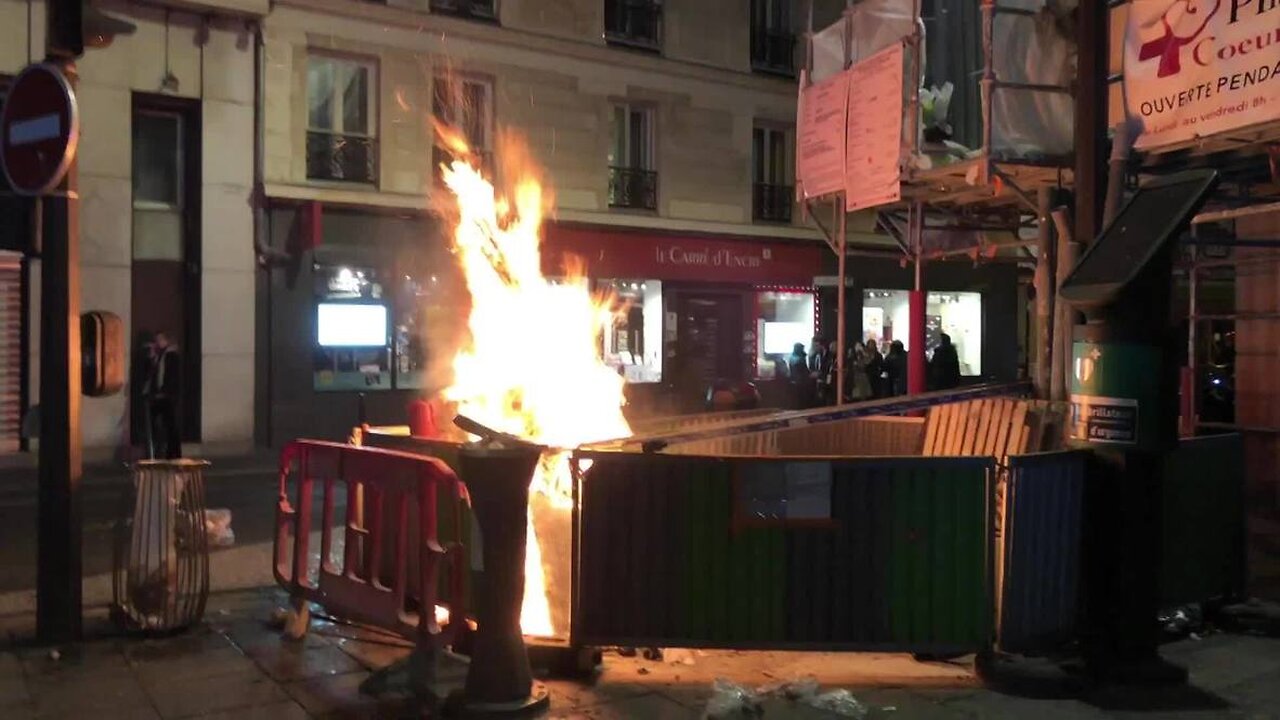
39	130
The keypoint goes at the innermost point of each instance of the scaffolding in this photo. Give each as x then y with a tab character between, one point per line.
955	200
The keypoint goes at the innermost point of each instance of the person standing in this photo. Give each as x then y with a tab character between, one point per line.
163	391
873	367
945	365
896	367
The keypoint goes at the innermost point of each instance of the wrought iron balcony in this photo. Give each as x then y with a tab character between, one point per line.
633	188
633	23
470	9
342	158
772	203
773	52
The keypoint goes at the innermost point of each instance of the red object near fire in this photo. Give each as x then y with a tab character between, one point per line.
422	419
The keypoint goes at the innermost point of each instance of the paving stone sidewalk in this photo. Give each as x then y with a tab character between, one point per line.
237	666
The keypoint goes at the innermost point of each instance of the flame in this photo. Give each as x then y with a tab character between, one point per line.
531	366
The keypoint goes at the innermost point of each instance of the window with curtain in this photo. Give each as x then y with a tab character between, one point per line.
341	122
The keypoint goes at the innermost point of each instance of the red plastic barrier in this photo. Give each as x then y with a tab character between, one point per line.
372	582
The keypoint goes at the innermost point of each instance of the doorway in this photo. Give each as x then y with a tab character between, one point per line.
166	249
709	342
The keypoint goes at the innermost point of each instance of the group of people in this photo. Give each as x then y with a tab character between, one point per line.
869	374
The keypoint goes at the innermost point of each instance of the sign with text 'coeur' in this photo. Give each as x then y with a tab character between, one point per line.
39	130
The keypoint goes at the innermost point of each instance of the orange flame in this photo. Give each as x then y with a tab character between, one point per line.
532	365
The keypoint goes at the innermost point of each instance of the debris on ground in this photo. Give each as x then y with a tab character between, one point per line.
731	701
677	656
1182	620
217	527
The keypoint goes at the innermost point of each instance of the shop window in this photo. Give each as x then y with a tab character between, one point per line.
886	314
784	319
777	493
772	41
772	191
341	122
634	344
352	339
464	104
633	182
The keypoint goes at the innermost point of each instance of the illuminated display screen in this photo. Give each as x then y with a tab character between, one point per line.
351	325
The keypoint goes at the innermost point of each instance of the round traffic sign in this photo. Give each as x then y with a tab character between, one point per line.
39	130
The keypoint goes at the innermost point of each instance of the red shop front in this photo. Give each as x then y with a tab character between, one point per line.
699	309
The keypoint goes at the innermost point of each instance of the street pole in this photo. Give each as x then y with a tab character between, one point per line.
58	578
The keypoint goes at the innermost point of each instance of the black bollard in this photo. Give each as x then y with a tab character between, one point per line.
499	679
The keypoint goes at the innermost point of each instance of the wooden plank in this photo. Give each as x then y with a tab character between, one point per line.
984	425
958	414
934	428
939	428
1002	428
987	447
1015	431
976	414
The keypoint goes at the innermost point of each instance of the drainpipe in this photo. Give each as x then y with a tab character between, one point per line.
262	248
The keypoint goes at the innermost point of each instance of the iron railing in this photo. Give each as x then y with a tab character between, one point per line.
772	203
773	51
635	23
342	158
470	9
633	188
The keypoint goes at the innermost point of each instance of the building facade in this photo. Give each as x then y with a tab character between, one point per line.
668	150
258	179
166	185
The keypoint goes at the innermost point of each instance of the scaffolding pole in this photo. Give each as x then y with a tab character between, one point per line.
841	300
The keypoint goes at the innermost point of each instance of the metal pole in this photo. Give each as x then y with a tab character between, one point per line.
58	576
1192	388
1044	295
916	309
1091	118
840	304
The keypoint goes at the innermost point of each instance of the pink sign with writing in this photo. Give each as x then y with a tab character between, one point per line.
873	136
820	142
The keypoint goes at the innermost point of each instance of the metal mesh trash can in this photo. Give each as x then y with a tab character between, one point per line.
161	554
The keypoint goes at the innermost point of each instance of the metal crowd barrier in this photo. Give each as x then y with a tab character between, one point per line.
371	570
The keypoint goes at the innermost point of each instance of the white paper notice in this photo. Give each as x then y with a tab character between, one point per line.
874	131
820	136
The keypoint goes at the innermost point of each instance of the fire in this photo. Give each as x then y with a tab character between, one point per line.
532	364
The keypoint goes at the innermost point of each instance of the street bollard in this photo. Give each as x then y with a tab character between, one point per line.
499	679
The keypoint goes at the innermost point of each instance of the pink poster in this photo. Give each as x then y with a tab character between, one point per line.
820	137
874	132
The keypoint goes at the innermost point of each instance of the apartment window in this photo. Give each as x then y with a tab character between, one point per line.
465	104
633	23
772	40
633	183
772	191
470	9
341	120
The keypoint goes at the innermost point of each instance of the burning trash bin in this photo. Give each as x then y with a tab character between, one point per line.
160	573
